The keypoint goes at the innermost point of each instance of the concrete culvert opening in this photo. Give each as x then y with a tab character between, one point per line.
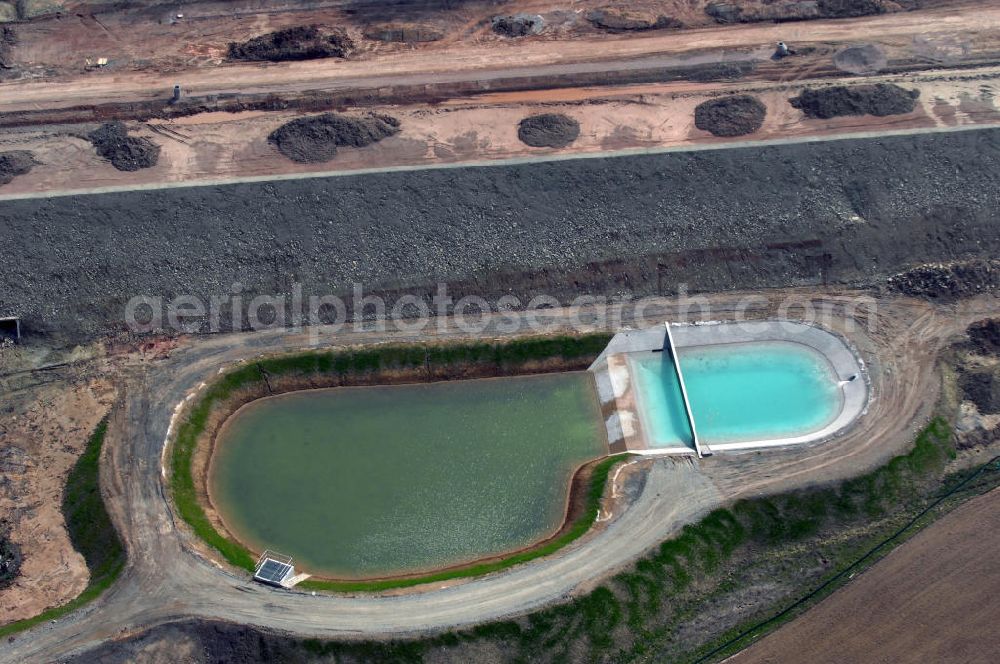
880	99
14	163
518	25
126	153
548	130
867	59
10	328
730	116
316	139
309	42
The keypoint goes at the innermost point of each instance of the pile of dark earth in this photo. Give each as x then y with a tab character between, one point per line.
518	25
548	130
880	99
711	220
14	163
316	139
734	11
737	115
616	19
10	558
981	386
949	280
300	43
8	38
212	642
398	33
126	153
985	336
867	59
721	71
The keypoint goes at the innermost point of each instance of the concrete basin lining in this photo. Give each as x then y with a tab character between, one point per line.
611	369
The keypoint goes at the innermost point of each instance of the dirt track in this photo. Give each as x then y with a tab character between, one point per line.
493	61
931	600
164	581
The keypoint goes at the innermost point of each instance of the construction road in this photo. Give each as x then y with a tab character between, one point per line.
538	60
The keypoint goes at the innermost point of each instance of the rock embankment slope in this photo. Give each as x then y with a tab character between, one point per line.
837	211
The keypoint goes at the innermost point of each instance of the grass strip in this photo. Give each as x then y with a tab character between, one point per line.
90	529
501	358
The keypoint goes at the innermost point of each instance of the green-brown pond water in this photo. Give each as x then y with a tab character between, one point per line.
374	481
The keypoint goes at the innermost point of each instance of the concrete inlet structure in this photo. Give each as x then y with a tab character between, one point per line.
10	328
821	369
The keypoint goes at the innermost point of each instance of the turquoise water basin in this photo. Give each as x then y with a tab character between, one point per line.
738	392
364	482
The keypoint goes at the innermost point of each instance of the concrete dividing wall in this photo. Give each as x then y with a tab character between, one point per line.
620	400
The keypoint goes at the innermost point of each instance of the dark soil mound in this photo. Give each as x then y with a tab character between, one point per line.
316	138
880	99
982	387
734	11
548	130
518	25
730	116
14	163
861	59
985	336
849	8
403	34
721	71
7	39
10	560
126	153
950	280
301	43
626	20
724	12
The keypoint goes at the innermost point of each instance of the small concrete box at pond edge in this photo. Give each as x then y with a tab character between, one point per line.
274	569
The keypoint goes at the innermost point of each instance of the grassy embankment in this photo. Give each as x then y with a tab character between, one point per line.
778	555
90	530
364	365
